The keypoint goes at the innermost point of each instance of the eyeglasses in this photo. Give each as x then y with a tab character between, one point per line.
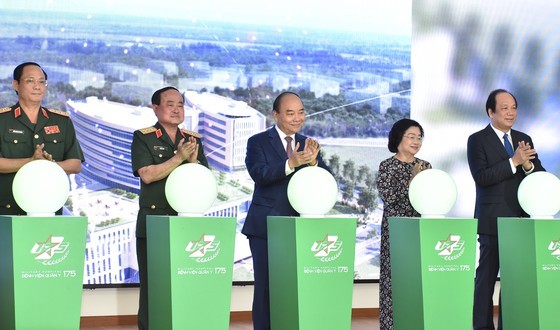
32	82
414	137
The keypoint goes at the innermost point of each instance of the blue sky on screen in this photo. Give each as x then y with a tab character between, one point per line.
350	15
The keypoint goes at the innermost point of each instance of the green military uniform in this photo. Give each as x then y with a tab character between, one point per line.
152	146
19	138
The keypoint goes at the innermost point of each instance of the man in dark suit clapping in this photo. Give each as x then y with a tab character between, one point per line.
272	158
499	158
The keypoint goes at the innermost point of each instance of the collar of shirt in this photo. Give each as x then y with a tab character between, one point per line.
283	136
500	134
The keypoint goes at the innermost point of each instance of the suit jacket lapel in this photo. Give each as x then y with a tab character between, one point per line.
496	143
276	144
515	139
301	139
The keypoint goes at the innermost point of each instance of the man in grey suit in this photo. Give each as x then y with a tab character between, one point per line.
499	158
273	156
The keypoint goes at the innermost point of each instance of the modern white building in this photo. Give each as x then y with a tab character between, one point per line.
111	253
79	79
279	82
167	68
322	86
228	78
129	73
105	130
225	126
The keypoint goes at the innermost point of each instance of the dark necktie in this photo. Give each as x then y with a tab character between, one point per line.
509	148
289	149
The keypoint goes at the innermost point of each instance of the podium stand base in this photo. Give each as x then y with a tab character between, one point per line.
41	272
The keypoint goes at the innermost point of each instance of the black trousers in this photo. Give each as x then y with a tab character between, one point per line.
142	257
261	295
485	281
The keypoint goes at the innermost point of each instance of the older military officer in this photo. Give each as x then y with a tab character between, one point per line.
29	131
156	152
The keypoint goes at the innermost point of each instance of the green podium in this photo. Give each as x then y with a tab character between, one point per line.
432	272
41	272
311	272
529	272
190	268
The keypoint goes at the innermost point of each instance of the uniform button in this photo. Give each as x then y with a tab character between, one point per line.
160	155
175	152
36	136
54	141
8	206
153	207
15	141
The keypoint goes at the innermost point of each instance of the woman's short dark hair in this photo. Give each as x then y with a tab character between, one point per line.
397	132
156	97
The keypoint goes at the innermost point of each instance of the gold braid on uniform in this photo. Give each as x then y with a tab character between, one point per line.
59	112
195	134
148	130
6	109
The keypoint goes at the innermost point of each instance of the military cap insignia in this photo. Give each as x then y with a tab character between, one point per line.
59	112
195	134
148	130
6	109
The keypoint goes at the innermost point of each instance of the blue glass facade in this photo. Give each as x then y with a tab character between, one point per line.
107	152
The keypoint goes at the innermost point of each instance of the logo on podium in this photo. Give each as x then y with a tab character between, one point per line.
204	249
451	248
554	246
328	249
52	251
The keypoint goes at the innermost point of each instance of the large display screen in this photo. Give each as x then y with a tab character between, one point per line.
349	62
358	65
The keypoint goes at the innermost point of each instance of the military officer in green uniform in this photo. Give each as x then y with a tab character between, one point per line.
156	151
29	131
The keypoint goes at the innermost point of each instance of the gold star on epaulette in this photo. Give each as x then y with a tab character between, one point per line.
59	112
148	130
195	134
6	109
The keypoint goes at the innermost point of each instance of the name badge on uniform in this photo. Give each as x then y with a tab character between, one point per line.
160	148
52	129
15	131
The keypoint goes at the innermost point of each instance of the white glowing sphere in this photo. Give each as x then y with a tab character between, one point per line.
41	188
312	191
191	189
539	195
432	193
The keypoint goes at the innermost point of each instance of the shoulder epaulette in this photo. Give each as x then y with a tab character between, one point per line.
6	109
59	112
195	134
148	130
